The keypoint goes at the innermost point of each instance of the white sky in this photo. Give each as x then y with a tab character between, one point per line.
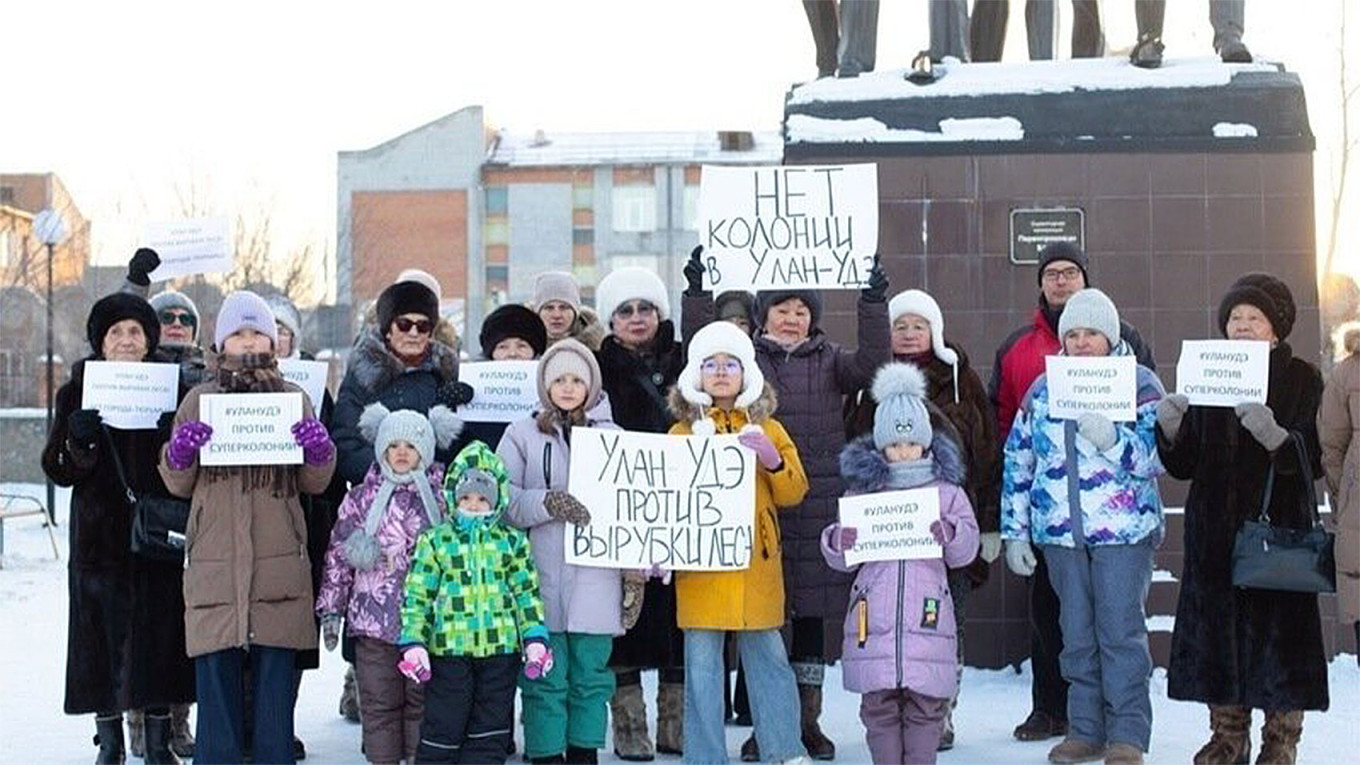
251	100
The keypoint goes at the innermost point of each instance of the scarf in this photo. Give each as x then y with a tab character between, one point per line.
909	475
361	548
254	373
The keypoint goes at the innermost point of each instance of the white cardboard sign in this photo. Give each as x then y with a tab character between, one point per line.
1223	372
892	525
503	391
130	395
251	428
684	503
310	376
790	226
1105	385
190	246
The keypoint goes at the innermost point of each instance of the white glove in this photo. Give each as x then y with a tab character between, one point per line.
1020	557
991	546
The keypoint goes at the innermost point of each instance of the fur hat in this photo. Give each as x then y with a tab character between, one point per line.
923	305
719	337
631	283
424	278
401	298
1090	309
286	314
242	309
513	320
382	426
1064	251
557	285
167	299
111	309
902	415
770	298
569	356
1268	294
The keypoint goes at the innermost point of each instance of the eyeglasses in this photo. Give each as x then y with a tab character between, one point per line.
174	317
642	308
713	367
1065	274
421	326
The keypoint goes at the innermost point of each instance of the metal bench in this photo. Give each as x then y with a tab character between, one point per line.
15	506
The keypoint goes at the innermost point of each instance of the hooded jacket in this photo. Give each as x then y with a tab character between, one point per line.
911	639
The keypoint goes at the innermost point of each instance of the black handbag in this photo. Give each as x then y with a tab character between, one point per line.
1268	557
158	523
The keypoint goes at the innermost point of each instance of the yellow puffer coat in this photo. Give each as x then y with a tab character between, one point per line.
751	599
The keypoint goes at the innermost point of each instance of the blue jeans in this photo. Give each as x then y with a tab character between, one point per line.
1105	657
770	686
220	732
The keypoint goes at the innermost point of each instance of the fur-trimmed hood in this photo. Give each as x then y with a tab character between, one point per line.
757	413
867	471
588	329
375	366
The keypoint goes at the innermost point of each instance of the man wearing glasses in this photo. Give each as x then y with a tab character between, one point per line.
1019	362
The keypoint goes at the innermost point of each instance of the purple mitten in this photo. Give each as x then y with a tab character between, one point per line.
538	659
316	443
843	538
943	532
189	437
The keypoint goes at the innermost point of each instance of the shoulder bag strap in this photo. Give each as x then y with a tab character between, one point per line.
118	465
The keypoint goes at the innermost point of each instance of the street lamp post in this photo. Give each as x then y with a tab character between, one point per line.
51	230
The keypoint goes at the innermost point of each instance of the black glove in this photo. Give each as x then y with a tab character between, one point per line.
83	426
694	272
877	291
454	394
143	262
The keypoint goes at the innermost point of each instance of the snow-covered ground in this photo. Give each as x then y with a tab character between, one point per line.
33	660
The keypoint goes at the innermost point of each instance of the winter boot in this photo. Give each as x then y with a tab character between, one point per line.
1232	51
556	759
158	735
1039	726
1074	750
181	734
136	737
818	746
1147	54
1123	754
349	697
1280	738
579	755
750	750
628	712
670	718
1230	743
109	738
947	733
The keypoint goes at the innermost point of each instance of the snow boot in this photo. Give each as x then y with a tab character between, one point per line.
579	755
1232	51
181	734
109	738
1123	754
628	713
136	738
1280	738
1074	750
1147	54
1230	743
158	735
1039	726
818	746
670	718
349	697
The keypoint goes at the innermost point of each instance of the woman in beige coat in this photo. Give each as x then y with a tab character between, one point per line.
1339	434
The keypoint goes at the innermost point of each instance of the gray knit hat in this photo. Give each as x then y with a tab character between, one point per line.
902	416
286	314
476	481
167	299
557	285
241	309
1090	309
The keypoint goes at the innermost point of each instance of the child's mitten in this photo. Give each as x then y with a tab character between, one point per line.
538	658
415	663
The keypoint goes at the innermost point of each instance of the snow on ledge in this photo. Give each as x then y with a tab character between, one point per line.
1031	77
1234	130
805	129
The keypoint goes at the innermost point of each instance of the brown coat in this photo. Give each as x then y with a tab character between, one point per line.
1339	434
247	578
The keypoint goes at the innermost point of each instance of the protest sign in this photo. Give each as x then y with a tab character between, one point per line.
130	395
892	525
190	246
1105	385
251	428
503	391
310	376
684	503
1223	372
797	227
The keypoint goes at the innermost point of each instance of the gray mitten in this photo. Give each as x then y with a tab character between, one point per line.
1097	429
564	507
362	550
1170	413
1260	423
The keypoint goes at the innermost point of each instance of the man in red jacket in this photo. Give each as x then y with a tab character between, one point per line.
1019	362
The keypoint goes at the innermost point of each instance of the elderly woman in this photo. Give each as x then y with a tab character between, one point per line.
509	333
125	644
1238	649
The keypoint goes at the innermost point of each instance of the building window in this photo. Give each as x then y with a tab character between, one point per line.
497	232
7	195
634	208
582	197
583	236
497	200
498	274
691	213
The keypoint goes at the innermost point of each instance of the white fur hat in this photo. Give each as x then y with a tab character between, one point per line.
631	283
923	305
424	278
719	337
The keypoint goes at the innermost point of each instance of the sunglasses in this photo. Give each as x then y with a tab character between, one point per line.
171	317
641	308
421	326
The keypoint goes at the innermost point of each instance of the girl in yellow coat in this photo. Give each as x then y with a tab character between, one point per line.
722	391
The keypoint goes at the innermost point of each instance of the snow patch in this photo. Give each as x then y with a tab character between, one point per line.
807	129
1234	130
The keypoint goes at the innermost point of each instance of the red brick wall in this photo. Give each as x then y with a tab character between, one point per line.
396	230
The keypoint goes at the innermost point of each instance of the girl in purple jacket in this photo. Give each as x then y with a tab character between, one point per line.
366	563
899	650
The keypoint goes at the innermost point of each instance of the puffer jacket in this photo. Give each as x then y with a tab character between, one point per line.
753	598
911	637
1339	433
370	601
1117	501
578	599
472	589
